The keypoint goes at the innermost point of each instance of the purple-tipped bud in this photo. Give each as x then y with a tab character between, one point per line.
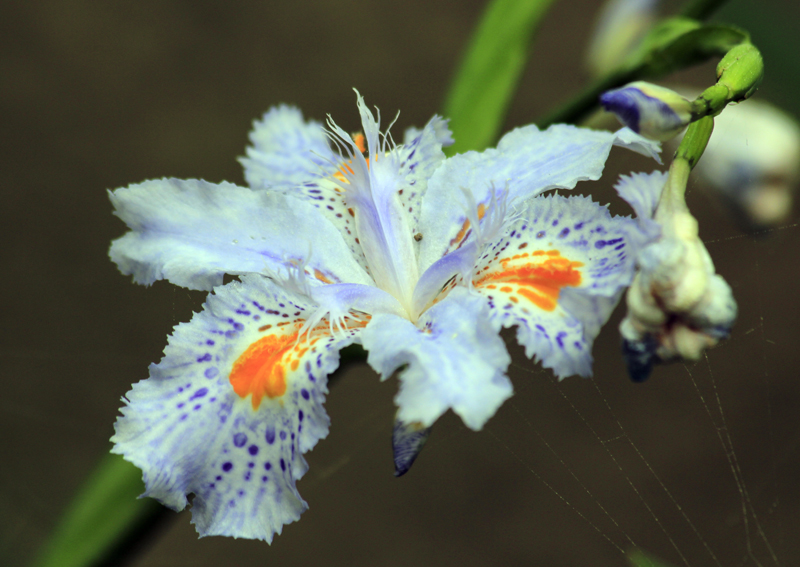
407	442
654	112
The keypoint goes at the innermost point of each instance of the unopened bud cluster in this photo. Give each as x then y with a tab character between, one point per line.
677	305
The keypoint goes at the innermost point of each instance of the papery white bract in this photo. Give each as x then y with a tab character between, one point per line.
419	258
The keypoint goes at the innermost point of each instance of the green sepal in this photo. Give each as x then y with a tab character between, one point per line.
689	48
741	70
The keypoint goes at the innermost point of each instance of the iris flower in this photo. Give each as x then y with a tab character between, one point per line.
345	239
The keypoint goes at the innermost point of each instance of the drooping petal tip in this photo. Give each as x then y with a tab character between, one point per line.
408	439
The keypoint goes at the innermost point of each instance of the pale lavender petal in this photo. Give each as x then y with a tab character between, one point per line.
557	275
527	162
191	433
191	232
455	360
420	155
286	150
642	191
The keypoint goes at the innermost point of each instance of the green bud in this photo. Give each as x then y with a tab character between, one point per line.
741	71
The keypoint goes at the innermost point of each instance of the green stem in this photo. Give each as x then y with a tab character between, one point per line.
695	141
582	104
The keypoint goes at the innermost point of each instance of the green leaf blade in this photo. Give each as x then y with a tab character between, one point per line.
101	515
488	75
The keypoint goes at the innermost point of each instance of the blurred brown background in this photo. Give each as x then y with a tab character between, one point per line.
97	95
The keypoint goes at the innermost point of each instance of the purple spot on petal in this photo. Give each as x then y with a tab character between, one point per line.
211	372
239	439
227	466
283	465
283	435
267	466
270	436
304	393
253	450
199	393
205	358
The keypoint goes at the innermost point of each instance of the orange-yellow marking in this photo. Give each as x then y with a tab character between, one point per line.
465	227
321	277
539	282
261	369
360	141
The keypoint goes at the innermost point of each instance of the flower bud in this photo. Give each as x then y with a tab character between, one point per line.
741	70
654	112
677	305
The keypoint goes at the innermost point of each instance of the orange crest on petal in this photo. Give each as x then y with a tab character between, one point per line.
538	277
261	369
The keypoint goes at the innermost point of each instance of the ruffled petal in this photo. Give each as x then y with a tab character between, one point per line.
557	275
455	359
642	191
191	232
231	408
527	162
420	155
286	150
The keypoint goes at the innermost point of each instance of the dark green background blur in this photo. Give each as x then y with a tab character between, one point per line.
97	95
